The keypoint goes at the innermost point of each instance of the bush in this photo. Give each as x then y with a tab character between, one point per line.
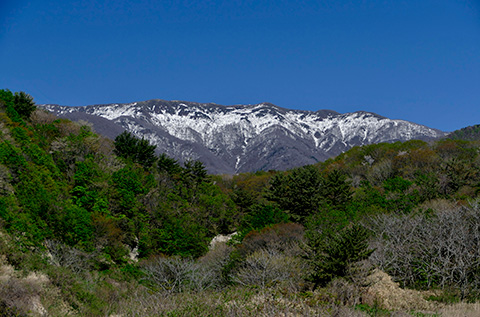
60	254
216	260
435	248
175	274
268	268
280	237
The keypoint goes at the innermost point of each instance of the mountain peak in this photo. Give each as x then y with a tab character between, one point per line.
240	138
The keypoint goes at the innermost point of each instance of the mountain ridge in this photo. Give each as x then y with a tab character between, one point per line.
244	138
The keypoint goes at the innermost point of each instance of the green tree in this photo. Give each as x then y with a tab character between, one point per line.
7	102
24	104
331	253
261	216
6	98
138	150
336	190
168	165
194	172
298	193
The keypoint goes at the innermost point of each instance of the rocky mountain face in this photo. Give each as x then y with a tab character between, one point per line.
244	138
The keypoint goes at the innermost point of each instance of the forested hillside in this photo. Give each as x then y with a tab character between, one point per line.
94	227
471	133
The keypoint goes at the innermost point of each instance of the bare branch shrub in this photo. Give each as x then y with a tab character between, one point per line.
60	254
215	261
441	249
40	116
175	274
269	267
271	257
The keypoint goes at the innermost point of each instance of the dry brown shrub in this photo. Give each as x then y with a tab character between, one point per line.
388	294
461	310
67	127
438	204
108	234
271	257
236	301
17	294
21	296
284	237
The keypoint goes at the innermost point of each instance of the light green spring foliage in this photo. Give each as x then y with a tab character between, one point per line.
61	181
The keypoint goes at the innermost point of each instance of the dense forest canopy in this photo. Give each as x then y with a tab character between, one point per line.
109	204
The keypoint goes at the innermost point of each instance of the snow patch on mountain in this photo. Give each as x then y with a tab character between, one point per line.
250	137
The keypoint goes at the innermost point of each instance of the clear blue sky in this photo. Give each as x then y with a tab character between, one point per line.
417	60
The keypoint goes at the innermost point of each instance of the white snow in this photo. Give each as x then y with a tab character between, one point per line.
234	128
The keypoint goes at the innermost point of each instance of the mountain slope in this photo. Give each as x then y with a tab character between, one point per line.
470	133
232	139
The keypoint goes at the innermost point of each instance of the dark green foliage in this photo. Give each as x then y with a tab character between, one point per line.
36	192
368	200
17	106
11	156
177	238
126	145
85	193
298	192
400	197
6	98
193	174
330	253
76	227
336	190
428	184
135	149
168	165
145	153
128	183
7	101
259	217
24	104
397	184
243	199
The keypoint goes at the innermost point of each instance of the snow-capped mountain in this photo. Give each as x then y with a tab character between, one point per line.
232	139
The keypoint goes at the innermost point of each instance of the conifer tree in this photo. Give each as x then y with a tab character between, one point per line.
336	190
24	104
138	150
298	192
331	252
